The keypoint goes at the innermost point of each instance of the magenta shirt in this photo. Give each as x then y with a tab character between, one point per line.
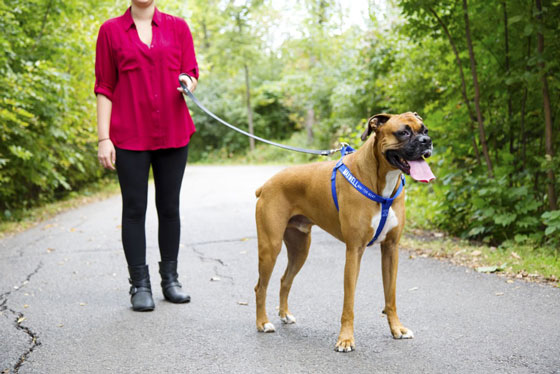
141	81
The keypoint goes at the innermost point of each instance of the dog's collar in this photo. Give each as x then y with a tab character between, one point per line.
385	202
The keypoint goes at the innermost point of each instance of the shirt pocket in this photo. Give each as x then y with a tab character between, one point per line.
128	60
172	59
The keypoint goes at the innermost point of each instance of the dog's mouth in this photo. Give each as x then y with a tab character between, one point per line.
416	167
395	159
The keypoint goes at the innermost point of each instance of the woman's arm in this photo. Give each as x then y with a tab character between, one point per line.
106	151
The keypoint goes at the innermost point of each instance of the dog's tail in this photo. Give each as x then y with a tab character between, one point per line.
258	192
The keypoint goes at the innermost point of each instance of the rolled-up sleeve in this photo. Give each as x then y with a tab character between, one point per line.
105	67
188	64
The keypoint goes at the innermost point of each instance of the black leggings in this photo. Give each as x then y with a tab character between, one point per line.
133	168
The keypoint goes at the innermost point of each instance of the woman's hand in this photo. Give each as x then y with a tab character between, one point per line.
189	81
106	154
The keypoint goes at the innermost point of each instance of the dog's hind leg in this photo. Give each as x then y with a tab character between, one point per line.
298	239
270	229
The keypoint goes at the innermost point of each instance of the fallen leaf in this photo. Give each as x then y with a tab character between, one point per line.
244	239
72	229
49	250
215	279
16	288
48	226
83	304
499	294
119	226
20	320
413	289
487	269
25	306
476	253
515	255
510	281
61	325
412	257
438	234
242	303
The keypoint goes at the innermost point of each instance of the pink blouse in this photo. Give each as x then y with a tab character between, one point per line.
141	81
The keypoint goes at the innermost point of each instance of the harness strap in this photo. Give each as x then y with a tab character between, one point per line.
385	202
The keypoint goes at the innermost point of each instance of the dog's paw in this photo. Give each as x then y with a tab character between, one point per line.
403	333
268	327
288	319
345	345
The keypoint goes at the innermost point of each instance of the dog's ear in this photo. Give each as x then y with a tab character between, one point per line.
374	122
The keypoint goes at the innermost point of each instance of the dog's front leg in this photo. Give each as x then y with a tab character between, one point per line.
390	264
345	341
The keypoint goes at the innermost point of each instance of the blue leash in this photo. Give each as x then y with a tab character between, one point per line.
384	201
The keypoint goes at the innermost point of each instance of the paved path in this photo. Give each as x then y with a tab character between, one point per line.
65	281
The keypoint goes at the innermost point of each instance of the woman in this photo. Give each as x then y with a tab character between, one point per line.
142	120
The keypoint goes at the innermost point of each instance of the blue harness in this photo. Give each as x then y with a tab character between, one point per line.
385	202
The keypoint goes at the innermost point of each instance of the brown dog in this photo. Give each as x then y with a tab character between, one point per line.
297	198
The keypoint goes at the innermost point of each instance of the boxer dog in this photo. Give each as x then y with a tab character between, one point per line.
297	198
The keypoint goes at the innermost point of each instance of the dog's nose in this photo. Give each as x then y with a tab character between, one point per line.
424	139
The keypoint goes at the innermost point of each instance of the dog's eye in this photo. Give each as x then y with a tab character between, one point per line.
403	133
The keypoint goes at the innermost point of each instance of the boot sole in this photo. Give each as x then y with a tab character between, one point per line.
177	302
143	309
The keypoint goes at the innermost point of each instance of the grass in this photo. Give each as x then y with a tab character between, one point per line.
523	262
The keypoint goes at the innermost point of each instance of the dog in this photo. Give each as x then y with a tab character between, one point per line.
298	197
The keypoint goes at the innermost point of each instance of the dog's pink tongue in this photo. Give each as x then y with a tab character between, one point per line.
420	171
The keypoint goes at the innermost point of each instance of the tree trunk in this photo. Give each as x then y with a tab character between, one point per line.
249	109
463	83
482	133
523	134
509	104
549	150
205	37
43	24
309	122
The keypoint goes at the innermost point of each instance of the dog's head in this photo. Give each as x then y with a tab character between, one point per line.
401	138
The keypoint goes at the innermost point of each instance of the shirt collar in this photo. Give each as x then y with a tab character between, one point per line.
128	22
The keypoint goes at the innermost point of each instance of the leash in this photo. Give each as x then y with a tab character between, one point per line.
325	152
385	202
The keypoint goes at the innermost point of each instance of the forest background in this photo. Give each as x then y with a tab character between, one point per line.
484	75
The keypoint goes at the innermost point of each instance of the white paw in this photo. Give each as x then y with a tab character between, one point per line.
408	335
268	327
344	349
289	319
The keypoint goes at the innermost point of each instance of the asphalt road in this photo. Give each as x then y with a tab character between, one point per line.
64	304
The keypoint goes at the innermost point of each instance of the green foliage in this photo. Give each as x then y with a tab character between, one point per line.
47	110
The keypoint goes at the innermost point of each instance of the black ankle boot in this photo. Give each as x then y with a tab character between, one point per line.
140	289
170	285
